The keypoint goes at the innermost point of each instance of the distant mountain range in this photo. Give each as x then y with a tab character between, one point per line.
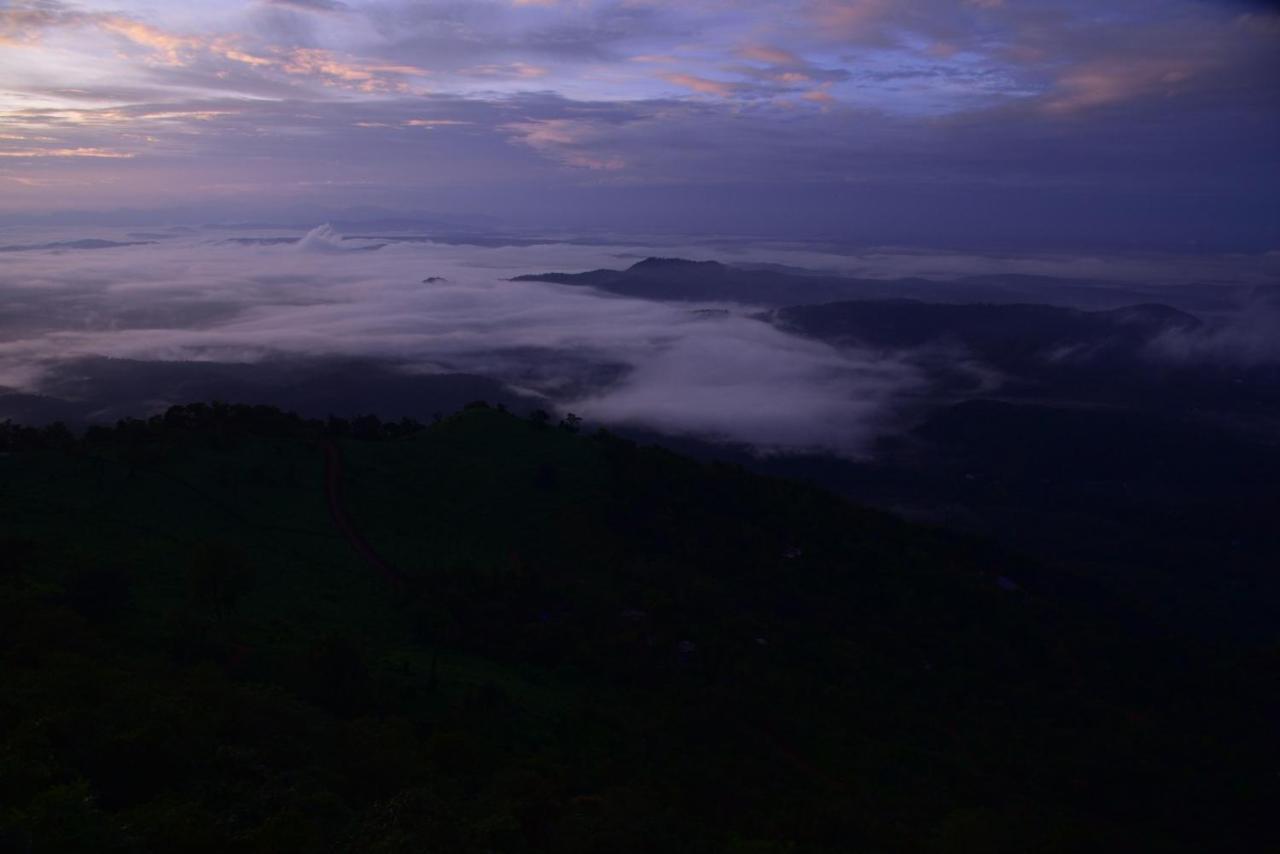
710	281
75	244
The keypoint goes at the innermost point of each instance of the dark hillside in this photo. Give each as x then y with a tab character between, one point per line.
230	629
681	280
999	333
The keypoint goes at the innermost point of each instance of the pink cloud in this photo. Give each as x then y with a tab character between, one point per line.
96	153
849	18
567	141
704	85
771	55
1111	81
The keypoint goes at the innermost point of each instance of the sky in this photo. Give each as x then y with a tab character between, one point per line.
1118	124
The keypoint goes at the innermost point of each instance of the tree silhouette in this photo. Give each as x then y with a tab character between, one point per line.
218	577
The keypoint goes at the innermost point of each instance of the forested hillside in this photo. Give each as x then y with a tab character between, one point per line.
230	629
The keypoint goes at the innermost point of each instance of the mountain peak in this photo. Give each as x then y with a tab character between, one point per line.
1154	315
666	265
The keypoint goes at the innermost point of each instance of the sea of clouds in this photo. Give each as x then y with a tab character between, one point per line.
713	371
196	296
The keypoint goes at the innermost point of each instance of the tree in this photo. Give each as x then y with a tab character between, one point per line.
100	592
219	576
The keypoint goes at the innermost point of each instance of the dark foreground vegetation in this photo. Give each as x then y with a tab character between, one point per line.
230	629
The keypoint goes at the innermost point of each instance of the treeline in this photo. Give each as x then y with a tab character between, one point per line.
234	419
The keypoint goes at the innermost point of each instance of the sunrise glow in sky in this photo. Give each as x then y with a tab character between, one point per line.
917	120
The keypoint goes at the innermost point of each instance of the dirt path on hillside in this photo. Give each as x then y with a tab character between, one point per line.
333	492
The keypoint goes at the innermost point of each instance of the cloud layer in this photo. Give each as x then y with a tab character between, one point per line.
419	307
712	373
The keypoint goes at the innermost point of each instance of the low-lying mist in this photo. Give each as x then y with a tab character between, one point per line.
100	325
680	368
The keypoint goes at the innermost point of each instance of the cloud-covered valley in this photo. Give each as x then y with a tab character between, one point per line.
97	324
714	371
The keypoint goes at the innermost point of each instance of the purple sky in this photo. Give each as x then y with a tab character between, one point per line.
1048	123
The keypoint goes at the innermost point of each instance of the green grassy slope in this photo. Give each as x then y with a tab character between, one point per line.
594	647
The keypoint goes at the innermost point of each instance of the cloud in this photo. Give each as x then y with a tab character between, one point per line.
517	70
743	381
849	18
1013	177
722	374
1114	81
568	141
168	48
325	65
705	86
322	239
771	55
1246	338
24	23
433	123
310	5
95	153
